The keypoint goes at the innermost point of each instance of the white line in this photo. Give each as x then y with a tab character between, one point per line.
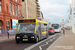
50	39
53	38
54	42
47	42
43	45
40	48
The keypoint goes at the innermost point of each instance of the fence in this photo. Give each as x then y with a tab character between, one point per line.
5	32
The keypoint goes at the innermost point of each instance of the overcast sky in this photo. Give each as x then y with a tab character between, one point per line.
55	10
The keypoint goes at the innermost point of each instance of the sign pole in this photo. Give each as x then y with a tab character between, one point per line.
73	17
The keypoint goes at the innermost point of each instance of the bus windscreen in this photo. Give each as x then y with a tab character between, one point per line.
26	28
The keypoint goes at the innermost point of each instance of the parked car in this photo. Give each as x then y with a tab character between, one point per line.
51	30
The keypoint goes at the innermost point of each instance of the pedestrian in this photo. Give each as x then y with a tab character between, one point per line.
8	33
63	31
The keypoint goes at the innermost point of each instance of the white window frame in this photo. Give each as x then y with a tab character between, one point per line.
0	7
10	9
16	9
13	10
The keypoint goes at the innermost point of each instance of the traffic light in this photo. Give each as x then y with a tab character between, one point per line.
8	28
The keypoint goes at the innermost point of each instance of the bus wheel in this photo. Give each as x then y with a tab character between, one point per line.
37	39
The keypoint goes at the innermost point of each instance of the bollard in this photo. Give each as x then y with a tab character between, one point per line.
8	33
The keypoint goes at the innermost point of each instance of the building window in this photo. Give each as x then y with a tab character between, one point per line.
10	9
16	9
20	12
13	9
0	1
0	6
22	0
7	9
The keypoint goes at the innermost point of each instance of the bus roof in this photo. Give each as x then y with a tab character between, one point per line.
41	21
34	19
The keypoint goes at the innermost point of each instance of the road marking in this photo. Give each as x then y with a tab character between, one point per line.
50	39
54	42
43	45
32	46
53	38
47	42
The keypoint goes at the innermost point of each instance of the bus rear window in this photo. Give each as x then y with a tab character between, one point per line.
56	27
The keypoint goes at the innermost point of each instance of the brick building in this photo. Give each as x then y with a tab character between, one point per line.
9	9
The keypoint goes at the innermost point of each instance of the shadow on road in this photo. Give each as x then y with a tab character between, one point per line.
26	42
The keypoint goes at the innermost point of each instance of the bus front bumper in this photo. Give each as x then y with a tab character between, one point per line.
25	39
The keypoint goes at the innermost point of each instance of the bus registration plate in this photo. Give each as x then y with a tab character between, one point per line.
25	39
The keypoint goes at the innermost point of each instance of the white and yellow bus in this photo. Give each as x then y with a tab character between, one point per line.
31	30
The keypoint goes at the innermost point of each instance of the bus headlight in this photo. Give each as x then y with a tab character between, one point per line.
18	37
32	37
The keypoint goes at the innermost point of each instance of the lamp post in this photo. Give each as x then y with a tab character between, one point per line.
18	13
8	28
73	17
63	27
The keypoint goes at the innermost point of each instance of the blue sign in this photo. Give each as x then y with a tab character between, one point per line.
14	22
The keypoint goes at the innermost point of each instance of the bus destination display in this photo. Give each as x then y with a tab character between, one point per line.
26	21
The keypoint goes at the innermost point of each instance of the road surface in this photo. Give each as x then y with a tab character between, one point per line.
42	45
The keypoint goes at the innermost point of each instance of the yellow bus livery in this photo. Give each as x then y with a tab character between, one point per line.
31	30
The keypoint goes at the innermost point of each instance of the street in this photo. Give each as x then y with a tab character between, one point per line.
37	25
11	45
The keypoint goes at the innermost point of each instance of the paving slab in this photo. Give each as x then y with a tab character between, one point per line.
5	38
64	42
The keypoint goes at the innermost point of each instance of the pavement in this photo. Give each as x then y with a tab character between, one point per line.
64	42
5	38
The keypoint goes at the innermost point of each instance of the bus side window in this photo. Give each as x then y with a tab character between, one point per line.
46	28
37	27
42	27
45	25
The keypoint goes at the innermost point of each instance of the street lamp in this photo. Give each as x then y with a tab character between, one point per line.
18	13
73	17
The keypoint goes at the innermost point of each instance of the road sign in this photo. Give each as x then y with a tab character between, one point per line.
63	19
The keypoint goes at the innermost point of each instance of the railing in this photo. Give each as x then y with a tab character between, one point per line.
5	32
